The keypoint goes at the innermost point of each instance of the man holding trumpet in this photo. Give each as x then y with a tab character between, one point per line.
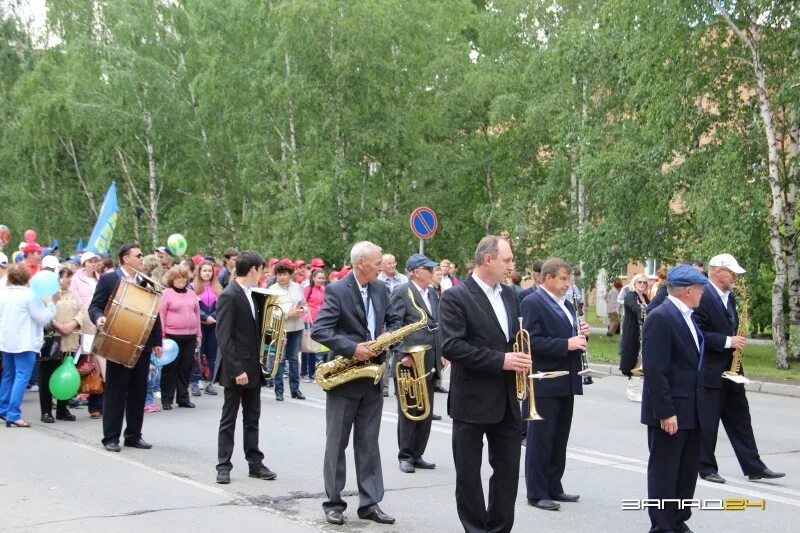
479	320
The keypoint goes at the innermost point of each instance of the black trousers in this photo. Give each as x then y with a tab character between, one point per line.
175	376
124	396
504	451
546	447
412	437
46	369
250	400
729	404
671	473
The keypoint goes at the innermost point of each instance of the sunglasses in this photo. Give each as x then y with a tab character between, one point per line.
641	283
138	256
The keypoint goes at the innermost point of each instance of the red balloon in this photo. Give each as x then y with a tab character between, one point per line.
30	235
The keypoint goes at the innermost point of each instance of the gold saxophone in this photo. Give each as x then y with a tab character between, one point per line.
744	327
343	369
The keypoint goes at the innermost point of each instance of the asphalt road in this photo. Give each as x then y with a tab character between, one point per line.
57	477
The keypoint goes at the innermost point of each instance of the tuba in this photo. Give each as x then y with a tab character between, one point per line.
273	336
343	369
522	343
412	389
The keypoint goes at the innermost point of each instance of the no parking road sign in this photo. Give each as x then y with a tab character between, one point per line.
424	222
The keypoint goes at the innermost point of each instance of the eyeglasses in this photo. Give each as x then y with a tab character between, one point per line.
137	256
642	282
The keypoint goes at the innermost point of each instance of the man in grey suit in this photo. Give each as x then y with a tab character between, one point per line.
355	313
412	436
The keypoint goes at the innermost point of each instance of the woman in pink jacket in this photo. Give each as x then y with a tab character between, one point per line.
180	321
314	294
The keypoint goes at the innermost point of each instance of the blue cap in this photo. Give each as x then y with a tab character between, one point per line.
419	261
684	275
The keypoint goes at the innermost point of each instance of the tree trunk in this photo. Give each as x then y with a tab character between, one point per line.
70	148
790	234
295	168
152	177
131	193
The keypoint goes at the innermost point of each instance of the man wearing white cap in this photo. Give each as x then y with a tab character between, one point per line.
725	400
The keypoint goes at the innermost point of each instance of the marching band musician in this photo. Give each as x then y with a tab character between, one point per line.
239	368
550	320
479	319
356	311
725	400
672	403
125	388
412	436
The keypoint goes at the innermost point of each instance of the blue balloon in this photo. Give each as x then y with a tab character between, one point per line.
44	283
169	352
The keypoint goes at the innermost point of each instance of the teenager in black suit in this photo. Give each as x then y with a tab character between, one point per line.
125	388
355	313
551	322
479	319
238	368
412	437
725	400
672	403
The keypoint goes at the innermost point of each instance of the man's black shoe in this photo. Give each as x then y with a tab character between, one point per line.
138	443
223	477
436	417
440	389
112	446
69	417
713	477
334	516
166	406
376	515
47	418
423	464
279	396
188	405
563	497
262	472
407	467
766	474
547	505
298	395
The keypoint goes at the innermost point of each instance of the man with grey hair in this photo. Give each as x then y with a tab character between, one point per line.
479	320
389	274
355	313
725	399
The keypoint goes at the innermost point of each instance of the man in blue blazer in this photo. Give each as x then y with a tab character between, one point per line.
550	320
355	313
479	319
125	388
672	402
725	400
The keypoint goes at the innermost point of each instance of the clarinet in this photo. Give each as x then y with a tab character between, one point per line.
587	380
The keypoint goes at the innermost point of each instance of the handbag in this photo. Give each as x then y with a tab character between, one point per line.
307	344
51	349
86	365
92	383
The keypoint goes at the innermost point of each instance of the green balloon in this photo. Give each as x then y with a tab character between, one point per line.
65	381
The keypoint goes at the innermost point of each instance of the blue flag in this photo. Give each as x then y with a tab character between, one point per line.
79	247
103	231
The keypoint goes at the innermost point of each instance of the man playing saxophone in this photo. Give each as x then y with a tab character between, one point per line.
725	400
412	435
355	313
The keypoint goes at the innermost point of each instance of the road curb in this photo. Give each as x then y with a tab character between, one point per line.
766	387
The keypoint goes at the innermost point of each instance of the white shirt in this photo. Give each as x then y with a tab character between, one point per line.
446	283
495	295
394	281
561	303
686	313
249	293
723	295
424	293
22	320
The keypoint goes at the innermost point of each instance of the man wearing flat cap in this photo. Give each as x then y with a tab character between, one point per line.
672	403
412	437
725	399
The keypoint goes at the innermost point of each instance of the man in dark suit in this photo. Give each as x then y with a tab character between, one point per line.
550	320
479	319
536	273
125	388
355	313
725	399
412	436
238	367
672	403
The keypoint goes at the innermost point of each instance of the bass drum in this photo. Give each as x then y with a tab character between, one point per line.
130	316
